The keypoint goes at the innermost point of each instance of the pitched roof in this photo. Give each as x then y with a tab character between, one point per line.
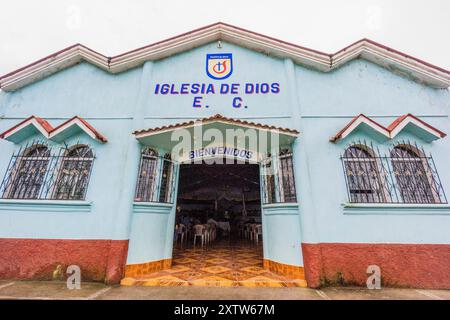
355	123
392	130
17	133
37	123
402	63
82	124
215	118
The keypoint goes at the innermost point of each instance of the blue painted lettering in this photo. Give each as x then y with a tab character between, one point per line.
224	88
234	88
165	88
184	88
197	102
210	89
237	102
275	87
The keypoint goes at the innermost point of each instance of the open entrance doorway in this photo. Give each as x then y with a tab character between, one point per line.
223	198
218	229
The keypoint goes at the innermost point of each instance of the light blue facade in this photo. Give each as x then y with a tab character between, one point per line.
315	103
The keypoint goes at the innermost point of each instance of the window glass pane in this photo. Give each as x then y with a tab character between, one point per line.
268	179
29	173
73	176
278	185
146	184
412	175
287	177
166	190
363	176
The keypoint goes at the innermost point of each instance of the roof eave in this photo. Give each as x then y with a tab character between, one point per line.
214	119
390	132
391	59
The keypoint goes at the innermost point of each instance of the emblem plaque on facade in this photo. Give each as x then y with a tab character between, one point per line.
219	66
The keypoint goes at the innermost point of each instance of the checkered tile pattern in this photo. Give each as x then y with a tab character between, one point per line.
226	263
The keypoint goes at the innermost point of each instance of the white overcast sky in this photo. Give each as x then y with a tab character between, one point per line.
30	30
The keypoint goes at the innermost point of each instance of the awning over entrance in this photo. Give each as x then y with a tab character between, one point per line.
216	136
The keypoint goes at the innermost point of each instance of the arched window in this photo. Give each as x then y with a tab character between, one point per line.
146	184
413	174
28	176
364	181
74	173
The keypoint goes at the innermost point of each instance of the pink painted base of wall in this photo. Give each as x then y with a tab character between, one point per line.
402	265
405	265
99	260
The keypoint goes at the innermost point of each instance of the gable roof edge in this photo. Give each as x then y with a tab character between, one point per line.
389	58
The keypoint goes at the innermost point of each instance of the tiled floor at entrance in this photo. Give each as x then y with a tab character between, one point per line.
221	264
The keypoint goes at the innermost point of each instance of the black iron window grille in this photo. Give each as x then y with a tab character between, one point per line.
167	180
364	179
278	182
74	173
145	189
287	176
152	168
36	172
406	175
268	181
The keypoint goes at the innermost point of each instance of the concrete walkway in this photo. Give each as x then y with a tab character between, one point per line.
47	290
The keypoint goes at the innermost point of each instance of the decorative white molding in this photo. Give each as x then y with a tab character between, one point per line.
392	209
363	120
74	122
281	209
31	122
395	61
392	131
49	132
409	119
152	207
45	205
218	118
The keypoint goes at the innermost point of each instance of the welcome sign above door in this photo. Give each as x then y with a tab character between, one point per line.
218	67
218	154
222	151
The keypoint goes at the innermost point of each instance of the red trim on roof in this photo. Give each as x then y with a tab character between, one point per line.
87	124
45	125
97	134
49	128
213	25
37	61
390	128
340	133
330	55
217	117
391	50
396	122
399	120
52	55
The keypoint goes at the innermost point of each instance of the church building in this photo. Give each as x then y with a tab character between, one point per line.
224	157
